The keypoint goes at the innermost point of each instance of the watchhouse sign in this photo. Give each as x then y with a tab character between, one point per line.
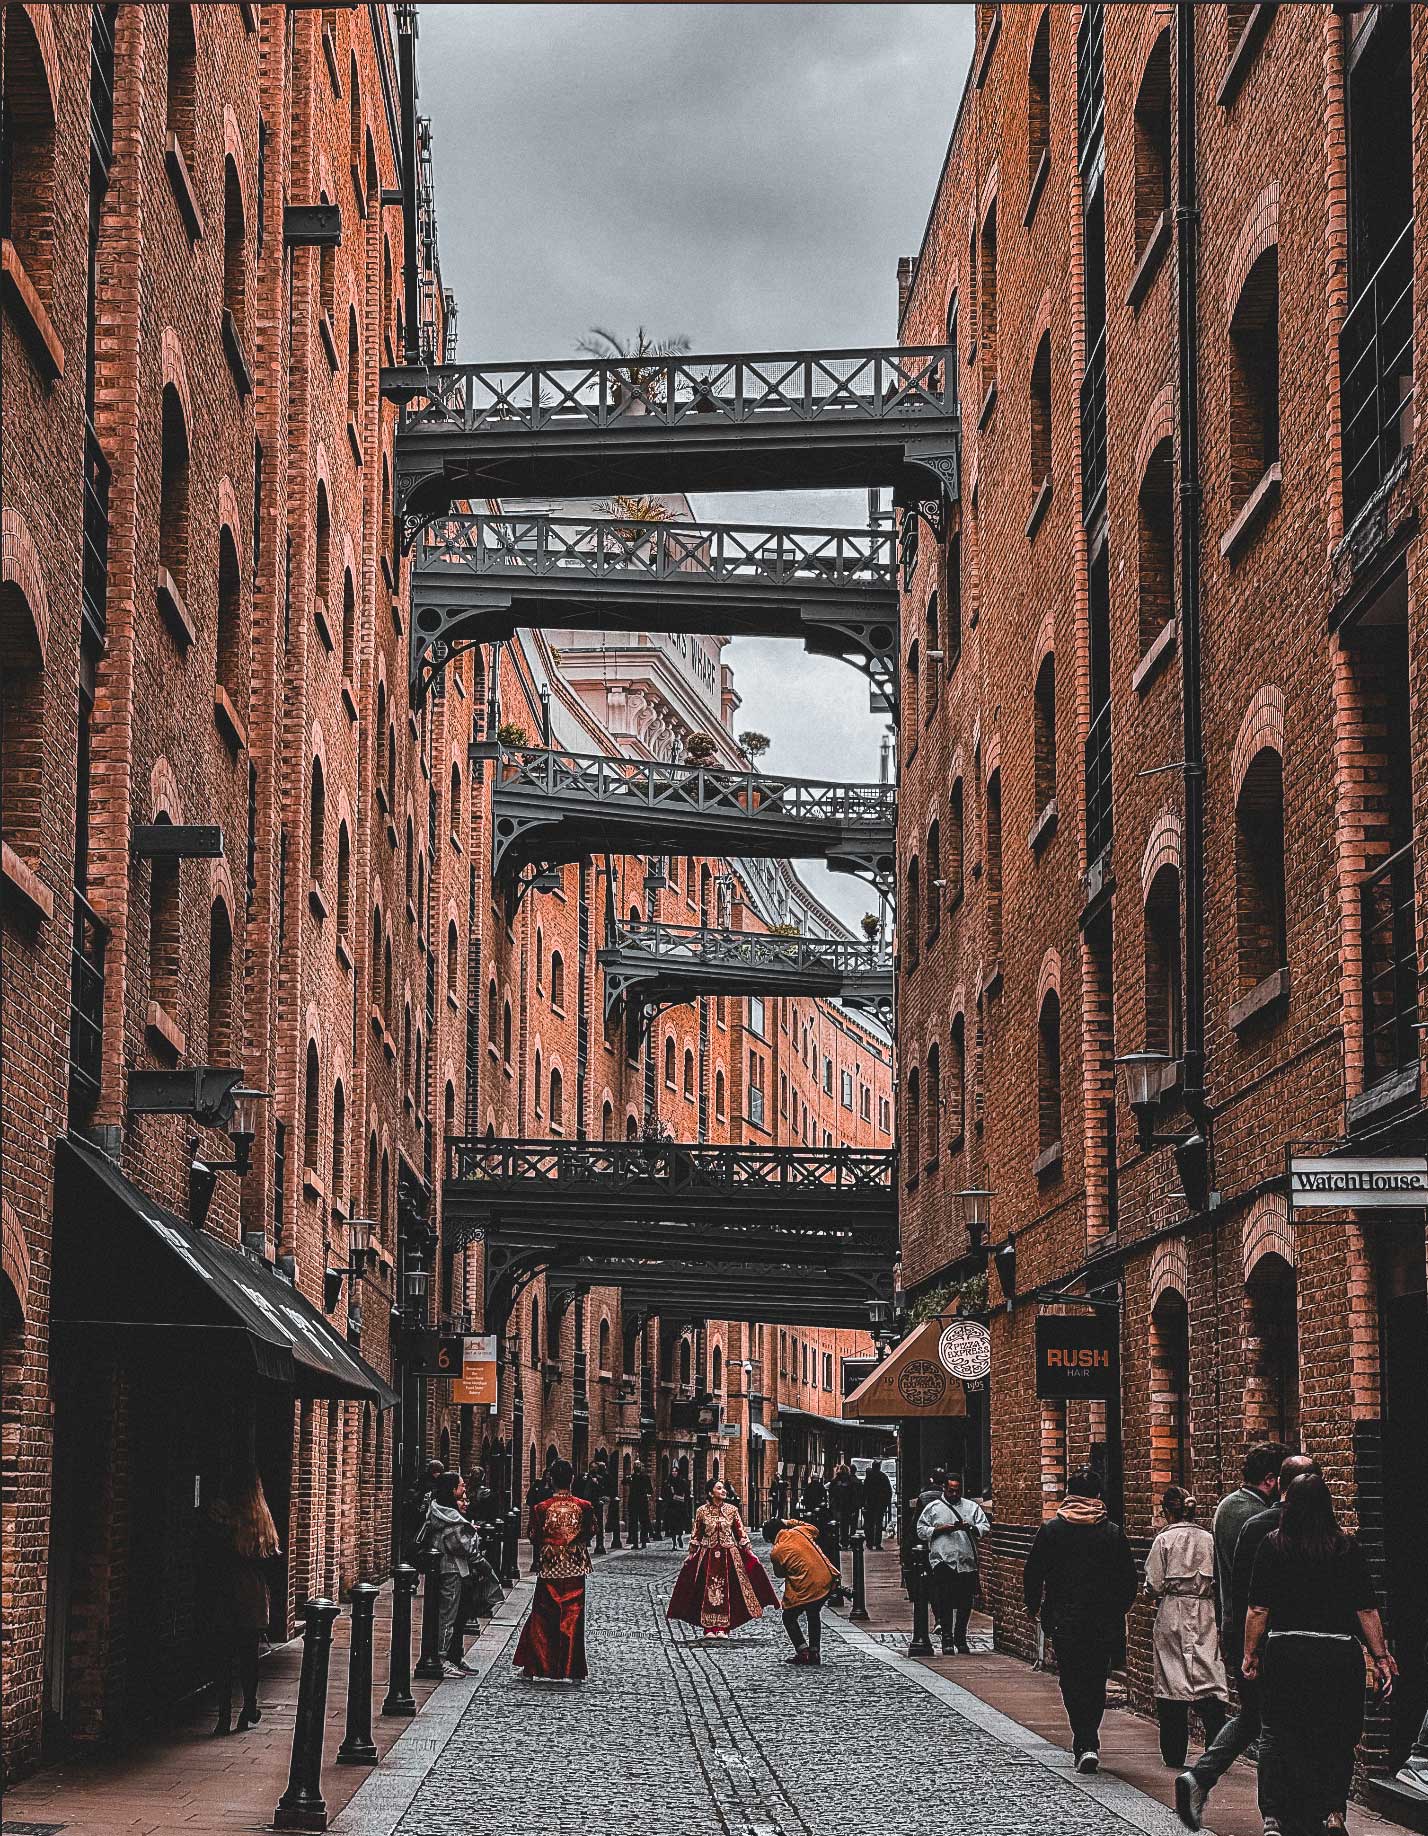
1385	1182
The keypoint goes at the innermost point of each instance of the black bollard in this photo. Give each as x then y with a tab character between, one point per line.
615	1542
511	1550
358	1748
860	1597
400	1700
302	1806
921	1645
429	1663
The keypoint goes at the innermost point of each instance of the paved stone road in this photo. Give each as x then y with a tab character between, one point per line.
672	1736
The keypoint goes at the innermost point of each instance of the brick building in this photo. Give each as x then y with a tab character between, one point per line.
235	855
1185	536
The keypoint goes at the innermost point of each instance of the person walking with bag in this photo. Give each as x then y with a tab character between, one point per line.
1180	1578
1080	1580
243	1540
952	1527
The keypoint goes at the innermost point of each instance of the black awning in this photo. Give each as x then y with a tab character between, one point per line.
122	1262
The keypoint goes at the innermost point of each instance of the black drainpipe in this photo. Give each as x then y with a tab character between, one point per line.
411	280
1187	228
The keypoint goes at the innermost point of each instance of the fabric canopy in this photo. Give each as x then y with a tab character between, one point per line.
124	1263
910	1383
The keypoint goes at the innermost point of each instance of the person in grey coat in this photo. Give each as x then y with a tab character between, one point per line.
449	1534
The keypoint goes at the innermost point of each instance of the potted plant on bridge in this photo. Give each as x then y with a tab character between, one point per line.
639	379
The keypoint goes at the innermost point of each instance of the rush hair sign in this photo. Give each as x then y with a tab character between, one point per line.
1384	1182
1077	1356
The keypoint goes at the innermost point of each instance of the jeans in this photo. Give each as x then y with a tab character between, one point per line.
1313	1703
1236	1736
640	1528
952	1594
1174	1719
450	1607
1083	1667
813	1612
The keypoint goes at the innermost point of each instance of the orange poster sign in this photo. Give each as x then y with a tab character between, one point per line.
477	1382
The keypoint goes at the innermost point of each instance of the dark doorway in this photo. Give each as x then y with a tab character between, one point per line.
1403	1316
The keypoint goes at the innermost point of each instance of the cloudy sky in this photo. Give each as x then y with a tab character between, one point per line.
747	175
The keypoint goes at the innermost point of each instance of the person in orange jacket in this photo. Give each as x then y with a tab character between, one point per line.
808	1579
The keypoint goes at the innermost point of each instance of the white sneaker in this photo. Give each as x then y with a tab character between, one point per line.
1089	1761
449	1669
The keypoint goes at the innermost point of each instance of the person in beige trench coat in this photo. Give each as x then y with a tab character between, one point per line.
1180	1576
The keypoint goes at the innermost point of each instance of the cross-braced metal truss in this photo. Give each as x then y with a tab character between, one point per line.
884	416
476	579
542	1203
688	1293
550	807
650	966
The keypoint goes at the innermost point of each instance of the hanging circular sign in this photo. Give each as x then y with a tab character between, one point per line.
965	1349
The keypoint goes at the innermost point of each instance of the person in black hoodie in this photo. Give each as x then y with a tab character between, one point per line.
1080	1578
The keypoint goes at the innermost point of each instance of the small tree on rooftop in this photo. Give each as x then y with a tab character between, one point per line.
700	748
641	369
755	744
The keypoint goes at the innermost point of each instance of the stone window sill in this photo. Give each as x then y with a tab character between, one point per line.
319	618
989	402
1242	54
328	335
185	196
993	984
1258	507
316	903
1037	186
1047	1164
329	51
22	879
385	562
165	1033
1044	827
312	1185
1266	998
344	954
33	322
456	842
349	698
1157	654
451	1000
984	62
1388	1093
174	612
226	717
1146	269
236	355
354	440
1038	507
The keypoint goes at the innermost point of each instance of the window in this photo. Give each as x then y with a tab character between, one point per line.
506	1035
235	277
27	154
182	74
1044	723
756	1015
716	1371
1038	108
1048	1072
557	980
384	1206
603	1348
165	933
455	799
845	1089
538	1081
756	1089
452	951
994	861
912	1134
1259	870
912	695
322	554
957	1080
354	369
339	1140
1152	145
349	627
913	905
955	838
934	880
557	1100
934	1107
685	1364
232	674
409	857
1162	964
828	1077
379	742
1254	378
828	1370
953	618
1170	1391
987	329
1041	415
173	492
535	1333
669	1060
387	983
719	1098
607	1121
689	1075
220	986
311	1120
934	651
1157	544
316	824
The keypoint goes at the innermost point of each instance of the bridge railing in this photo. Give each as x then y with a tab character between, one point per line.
695	944
659	785
883	384
544	548
676	1168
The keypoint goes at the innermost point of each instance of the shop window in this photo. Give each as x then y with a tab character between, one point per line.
1259	870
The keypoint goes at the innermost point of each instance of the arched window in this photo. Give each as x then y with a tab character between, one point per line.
384	1208
1259	870
220	986
448	1112
933	636
1162	964
387	991
232	673
535	1332
716	1371
1156	532
669	1058
493	1012
407	1046
539	959
1048	1071
994	860
339	1140
604	1348
1044	726
311	1119
506	1034
1152	145
349	627
1271	1334
912	694
685	1363
379	740
935	889
354	133
912	1133
557	980
720	1110
607	1121
344	882
912	942
1254	378
557	1100
182	77
376	949
455	799
165	932
987	329
322	550
934	1106
316	824
235	276
1041	415
452	949
539	1083
409	857
173	490
27	155
391	763
956	835
957	1081
632	1127
1038	106
689	1074
354	370
1169	1391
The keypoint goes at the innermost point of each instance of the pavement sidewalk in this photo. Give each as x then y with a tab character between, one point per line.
1130	1746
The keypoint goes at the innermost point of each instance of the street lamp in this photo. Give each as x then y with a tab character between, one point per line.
414	1283
1143	1089
976	1204
240	1123
360	1260
881	1325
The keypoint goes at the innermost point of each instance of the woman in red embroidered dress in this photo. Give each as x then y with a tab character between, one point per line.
722	1584
552	1642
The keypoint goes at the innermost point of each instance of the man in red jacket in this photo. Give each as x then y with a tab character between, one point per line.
552	1642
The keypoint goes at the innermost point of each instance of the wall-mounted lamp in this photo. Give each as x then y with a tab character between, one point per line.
1004	1262
976	1205
361	1260
1142	1076
241	1126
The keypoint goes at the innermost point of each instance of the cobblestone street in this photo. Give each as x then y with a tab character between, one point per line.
672	1736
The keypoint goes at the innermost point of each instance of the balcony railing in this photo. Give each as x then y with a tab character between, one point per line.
1098	785
94	585
1390	968
888	384
86	1011
542	547
1376	376
693	945
1093	431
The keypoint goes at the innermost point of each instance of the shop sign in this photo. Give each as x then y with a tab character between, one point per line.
1077	1356
965	1349
1381	1182
476	1382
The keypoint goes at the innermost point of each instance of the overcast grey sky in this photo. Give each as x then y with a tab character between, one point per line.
748	175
